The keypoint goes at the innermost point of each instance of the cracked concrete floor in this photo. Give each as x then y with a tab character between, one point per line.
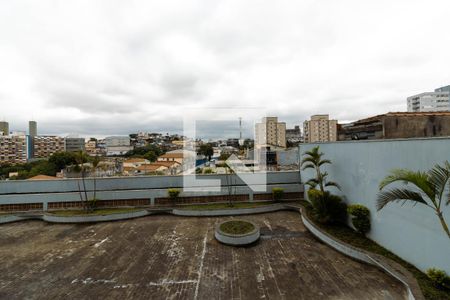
168	257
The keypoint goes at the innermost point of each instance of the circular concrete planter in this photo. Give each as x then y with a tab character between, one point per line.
237	239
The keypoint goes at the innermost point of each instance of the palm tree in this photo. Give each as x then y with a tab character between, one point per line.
229	180
313	160
95	161
80	159
428	189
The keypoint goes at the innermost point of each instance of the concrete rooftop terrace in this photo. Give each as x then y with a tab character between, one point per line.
168	257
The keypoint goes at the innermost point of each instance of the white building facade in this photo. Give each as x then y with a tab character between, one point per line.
117	145
439	100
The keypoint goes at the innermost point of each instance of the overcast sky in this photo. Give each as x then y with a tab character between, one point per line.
115	67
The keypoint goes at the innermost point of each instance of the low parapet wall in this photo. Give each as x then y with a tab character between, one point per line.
137	191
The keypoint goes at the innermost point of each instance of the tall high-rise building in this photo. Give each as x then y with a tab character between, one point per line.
32	128
270	132
4	128
320	129
439	100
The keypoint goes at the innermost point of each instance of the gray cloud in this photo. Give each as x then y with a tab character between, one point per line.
127	67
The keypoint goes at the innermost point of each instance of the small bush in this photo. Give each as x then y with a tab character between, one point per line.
92	204
313	194
207	171
439	278
277	193
173	194
360	217
327	208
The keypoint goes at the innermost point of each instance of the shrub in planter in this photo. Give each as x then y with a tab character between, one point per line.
207	171
92	204
173	194
313	194
327	208
439	278
360	217
277	193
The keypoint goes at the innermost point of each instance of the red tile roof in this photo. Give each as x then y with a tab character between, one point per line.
43	177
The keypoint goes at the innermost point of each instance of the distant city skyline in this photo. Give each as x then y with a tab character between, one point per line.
137	67
229	129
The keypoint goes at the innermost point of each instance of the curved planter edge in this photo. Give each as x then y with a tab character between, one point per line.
92	219
176	212
228	212
14	218
412	287
237	239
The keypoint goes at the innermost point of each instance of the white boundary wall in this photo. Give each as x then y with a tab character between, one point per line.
413	233
116	188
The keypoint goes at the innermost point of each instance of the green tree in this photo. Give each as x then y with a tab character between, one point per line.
62	159
43	167
428	189
313	160
224	156
151	156
206	150
142	151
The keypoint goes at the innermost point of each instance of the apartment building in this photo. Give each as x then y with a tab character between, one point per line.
396	125
13	149
44	146
439	100
320	129
270	132
74	144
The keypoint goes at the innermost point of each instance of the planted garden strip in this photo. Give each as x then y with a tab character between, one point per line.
229	212
95	218
54	218
385	264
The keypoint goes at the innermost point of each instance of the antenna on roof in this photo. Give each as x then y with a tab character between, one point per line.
241	141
